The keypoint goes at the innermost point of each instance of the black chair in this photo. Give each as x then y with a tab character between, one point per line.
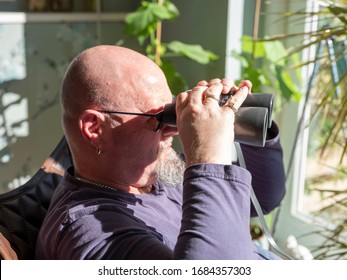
23	209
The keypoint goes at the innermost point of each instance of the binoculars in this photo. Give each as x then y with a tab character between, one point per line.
252	119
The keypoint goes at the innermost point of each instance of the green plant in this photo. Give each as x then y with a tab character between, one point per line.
146	25
329	90
268	66
327	94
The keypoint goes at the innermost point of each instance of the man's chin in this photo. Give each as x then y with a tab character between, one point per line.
170	168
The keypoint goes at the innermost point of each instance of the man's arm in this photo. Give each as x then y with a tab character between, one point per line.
215	222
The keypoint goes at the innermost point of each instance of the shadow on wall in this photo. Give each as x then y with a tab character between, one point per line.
31	69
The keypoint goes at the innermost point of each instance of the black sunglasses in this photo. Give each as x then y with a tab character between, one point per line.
167	116
158	116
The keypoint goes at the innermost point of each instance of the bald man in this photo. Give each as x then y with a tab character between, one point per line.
129	195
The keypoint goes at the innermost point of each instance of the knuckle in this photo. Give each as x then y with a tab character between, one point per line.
199	88
216	80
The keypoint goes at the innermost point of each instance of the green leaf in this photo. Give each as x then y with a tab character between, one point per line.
144	20
286	85
172	9
175	80
242	58
139	22
275	52
193	52
339	12
253	47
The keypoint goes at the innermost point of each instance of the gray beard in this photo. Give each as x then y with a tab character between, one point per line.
170	170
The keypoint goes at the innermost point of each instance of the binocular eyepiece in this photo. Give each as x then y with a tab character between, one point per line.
252	119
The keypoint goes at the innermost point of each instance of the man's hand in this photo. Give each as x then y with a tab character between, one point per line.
206	129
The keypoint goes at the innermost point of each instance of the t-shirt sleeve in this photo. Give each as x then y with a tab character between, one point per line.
216	214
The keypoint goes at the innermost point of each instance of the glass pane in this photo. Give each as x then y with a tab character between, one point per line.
326	169
33	60
326	177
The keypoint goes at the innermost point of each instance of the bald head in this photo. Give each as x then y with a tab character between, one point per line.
110	77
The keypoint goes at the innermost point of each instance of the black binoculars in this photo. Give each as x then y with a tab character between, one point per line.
252	119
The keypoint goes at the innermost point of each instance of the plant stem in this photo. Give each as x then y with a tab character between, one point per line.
256	20
158	38
256	25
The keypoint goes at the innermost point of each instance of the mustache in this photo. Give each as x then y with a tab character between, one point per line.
166	144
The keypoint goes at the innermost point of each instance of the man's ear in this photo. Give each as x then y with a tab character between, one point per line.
90	124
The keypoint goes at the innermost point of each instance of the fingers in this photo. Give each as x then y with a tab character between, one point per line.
236	100
228	85
246	83
212	94
201	94
202	83
191	97
196	95
206	93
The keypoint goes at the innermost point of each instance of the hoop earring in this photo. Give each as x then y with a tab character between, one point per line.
98	151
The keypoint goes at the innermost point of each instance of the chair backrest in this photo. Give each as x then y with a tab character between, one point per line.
23	209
